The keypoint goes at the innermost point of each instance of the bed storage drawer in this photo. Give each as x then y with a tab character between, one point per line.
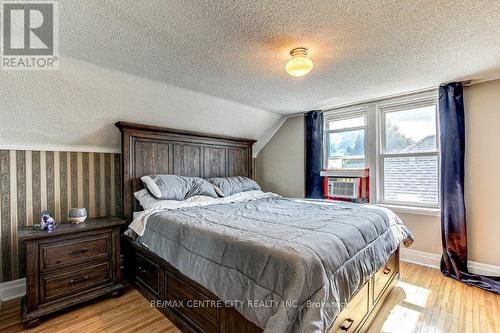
383	277
193	305
354	314
147	273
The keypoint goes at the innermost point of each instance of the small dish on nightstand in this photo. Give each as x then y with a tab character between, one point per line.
77	215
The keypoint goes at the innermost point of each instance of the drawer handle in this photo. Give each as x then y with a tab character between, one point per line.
141	270
79	279
346	325
387	270
76	252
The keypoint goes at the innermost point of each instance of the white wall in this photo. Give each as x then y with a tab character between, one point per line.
280	164
482	171
282	159
427	231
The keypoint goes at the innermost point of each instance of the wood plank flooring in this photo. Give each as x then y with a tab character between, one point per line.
126	314
423	301
426	301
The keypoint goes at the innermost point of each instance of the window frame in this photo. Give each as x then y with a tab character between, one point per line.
343	114
403	105
374	134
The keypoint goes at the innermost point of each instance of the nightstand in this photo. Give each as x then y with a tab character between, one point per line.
73	264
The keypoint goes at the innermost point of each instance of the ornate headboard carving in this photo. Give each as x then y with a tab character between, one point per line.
153	150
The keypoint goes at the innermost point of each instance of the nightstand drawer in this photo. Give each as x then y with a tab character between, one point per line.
73	251
58	285
70	265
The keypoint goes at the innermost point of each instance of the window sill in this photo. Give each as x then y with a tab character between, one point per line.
413	210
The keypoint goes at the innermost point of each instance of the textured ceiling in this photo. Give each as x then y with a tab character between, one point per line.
237	49
76	107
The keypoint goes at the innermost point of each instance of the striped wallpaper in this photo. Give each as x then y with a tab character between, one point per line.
34	181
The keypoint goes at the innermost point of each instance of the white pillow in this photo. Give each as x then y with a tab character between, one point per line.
147	201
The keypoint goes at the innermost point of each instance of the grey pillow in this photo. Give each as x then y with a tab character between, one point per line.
172	187
231	185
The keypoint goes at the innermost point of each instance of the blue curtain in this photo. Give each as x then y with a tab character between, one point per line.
453	221
314	154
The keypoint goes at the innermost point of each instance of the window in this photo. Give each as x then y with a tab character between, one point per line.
345	142
397	140
409	155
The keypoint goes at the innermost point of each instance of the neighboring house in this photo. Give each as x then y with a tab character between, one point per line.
407	178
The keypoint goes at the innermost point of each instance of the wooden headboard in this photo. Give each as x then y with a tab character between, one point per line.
150	150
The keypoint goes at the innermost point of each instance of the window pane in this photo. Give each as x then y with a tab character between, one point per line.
411	179
411	131
346	123
346	149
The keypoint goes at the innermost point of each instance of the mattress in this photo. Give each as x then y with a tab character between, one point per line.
286	265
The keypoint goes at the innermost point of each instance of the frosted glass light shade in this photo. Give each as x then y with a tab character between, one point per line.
299	64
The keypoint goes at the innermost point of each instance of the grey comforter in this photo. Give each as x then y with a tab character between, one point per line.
286	265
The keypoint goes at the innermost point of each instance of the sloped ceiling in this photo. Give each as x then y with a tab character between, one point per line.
76	108
218	66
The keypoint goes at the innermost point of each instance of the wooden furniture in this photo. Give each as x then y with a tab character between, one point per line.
73	264
364	306
151	150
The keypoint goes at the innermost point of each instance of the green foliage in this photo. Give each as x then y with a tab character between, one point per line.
352	143
396	141
358	148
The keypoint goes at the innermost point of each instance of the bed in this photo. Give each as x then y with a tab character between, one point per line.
289	265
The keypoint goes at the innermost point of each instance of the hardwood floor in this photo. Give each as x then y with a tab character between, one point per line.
423	301
426	301
126	314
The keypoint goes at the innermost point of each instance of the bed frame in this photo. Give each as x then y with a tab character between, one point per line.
153	150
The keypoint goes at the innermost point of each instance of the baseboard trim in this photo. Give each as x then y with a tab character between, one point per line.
433	260
12	289
420	257
483	269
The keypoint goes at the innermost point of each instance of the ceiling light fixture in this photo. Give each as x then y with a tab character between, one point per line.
299	64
